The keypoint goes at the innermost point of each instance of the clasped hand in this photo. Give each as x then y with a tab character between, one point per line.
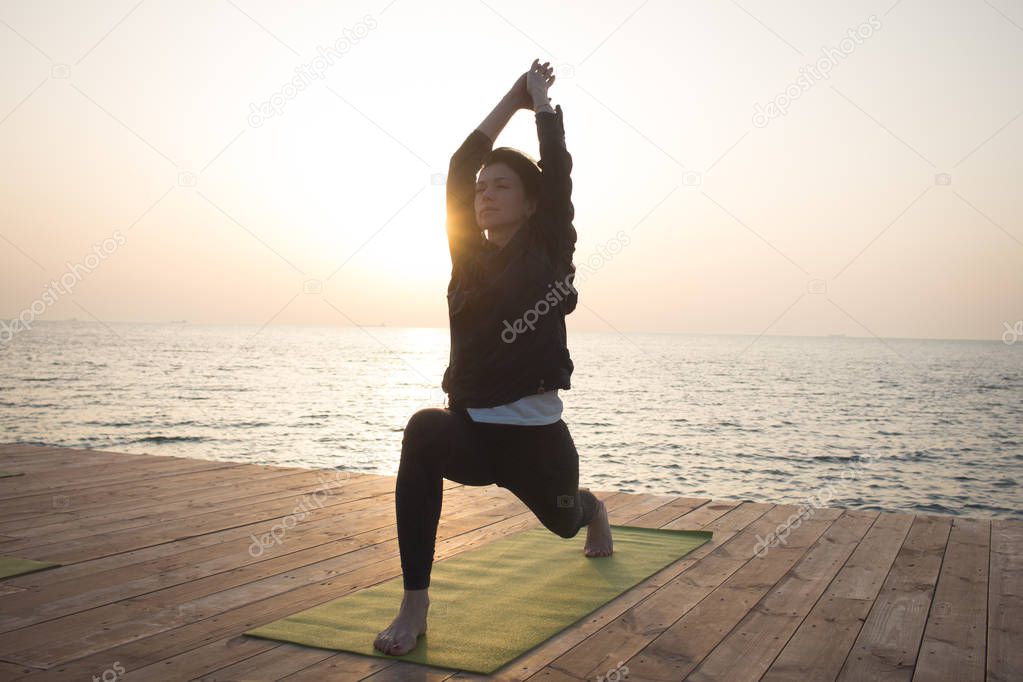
531	87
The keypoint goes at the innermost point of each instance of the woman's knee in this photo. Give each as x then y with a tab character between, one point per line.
425	425
425	439
567	520
566	527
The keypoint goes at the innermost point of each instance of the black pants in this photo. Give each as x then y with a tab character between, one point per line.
538	464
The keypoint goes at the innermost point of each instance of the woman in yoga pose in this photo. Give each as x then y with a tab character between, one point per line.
507	300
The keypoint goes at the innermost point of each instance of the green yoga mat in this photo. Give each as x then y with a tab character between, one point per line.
490	605
12	565
5	474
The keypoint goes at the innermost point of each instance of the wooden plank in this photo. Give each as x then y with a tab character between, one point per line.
84	545
708	513
357	497
40	476
677	508
629	632
889	640
13	451
16	448
240	658
12	448
1005	605
72	455
11	671
747	651
954	638
75	466
41	453
182	500
75	479
822	641
54	471
76	457
276	663
212	488
637	504
726	591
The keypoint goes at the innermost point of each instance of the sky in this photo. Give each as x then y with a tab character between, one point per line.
766	168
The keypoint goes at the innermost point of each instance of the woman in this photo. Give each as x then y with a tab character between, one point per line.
507	300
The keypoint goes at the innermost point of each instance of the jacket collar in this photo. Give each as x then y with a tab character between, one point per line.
498	257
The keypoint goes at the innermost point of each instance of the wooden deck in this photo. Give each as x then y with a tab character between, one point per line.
161	577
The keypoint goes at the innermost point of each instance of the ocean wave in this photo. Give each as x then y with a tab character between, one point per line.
170	439
838	459
934	508
914	455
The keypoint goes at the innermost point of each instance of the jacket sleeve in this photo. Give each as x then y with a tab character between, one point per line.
556	186
464	234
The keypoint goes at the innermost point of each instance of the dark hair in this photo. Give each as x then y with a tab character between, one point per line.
522	164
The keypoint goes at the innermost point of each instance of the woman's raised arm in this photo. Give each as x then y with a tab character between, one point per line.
555	211
463	231
464	234
528	92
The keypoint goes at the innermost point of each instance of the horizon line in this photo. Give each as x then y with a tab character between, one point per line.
445	328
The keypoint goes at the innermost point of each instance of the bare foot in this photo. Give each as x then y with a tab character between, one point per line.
402	635
598	534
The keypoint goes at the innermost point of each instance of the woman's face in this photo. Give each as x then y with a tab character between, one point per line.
500	198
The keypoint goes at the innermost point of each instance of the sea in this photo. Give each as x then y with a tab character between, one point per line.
902	425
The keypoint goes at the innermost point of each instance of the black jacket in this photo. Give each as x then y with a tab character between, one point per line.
507	306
